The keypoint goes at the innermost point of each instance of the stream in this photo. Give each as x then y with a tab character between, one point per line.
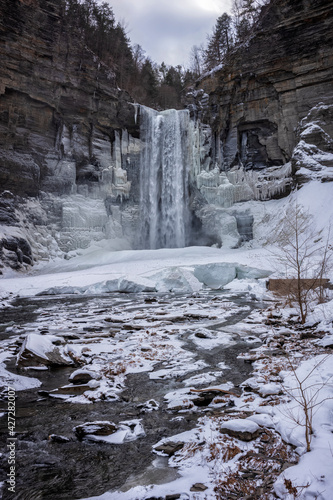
76	468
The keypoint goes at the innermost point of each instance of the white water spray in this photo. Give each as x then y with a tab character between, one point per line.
164	172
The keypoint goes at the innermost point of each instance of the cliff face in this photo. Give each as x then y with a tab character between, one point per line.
70	146
65	129
271	83
52	91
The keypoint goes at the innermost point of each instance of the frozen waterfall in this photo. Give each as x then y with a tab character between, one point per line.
164	170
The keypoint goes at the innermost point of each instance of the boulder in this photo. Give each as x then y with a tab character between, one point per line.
170	447
82	376
40	350
98	428
243	429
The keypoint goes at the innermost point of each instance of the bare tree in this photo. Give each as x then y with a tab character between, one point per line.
304	254
307	394
196	60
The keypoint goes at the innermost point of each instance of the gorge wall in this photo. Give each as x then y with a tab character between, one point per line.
65	129
70	144
270	110
256	102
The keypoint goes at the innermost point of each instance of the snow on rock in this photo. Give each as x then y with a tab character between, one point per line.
211	339
149	406
82	376
17	382
322	315
40	350
243	429
202	378
98	428
108	432
177	368
263	420
270	389
186	398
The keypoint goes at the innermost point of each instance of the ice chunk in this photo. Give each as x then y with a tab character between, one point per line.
245	272
217	275
139	285
122	284
175	279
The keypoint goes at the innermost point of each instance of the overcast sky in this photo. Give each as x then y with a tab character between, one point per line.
167	29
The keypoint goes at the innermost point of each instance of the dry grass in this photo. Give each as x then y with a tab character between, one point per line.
114	369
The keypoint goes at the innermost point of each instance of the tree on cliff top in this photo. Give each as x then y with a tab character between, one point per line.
96	25
220	42
229	31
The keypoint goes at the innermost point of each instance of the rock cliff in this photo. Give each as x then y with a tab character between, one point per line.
270	83
70	145
269	108
57	100
65	129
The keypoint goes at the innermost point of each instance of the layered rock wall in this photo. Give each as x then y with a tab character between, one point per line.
70	146
274	92
270	83
66	130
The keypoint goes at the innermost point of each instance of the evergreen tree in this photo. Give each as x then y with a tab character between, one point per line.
219	42
245	15
95	25
149	82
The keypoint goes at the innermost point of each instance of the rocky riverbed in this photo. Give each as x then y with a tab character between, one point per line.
136	351
155	395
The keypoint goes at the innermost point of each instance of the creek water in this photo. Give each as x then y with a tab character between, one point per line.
78	469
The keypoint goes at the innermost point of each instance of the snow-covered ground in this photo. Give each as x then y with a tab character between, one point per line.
292	367
244	449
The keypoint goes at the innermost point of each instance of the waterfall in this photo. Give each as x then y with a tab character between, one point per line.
164	170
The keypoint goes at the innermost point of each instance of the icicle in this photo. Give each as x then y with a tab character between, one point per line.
136	107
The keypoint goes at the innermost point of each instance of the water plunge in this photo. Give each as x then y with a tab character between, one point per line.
164	178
